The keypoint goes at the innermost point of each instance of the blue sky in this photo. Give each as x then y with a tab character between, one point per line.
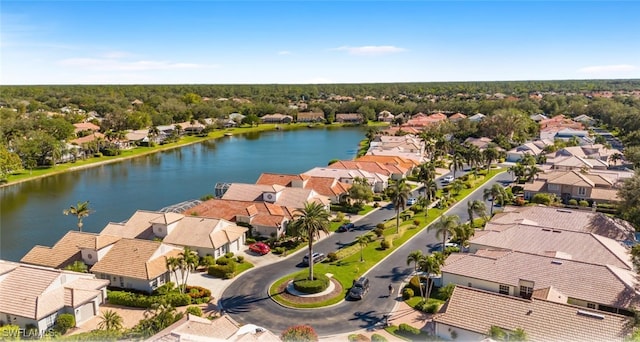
258	42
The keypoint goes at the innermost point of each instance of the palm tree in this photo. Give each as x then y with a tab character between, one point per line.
309	222
81	210
416	258
518	170
110	320
399	194
445	226
531	172
362	241
430	190
173	264
426	172
457	186
476	207
489	155
463	233
496	193
189	260
431	264
457	159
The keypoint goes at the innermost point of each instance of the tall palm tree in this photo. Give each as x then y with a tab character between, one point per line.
416	257
496	193
489	155
431	264
309	222
110	320
173	264
362	241
81	210
518	171
188	261
399	194
457	159
430	190
531	172
457	186
476	207
463	233
426	172
445	227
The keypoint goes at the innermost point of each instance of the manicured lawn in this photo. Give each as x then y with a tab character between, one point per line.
349	268
243	266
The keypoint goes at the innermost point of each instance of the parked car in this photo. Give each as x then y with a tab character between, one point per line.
359	289
448	179
260	248
316	257
346	227
438	246
412	201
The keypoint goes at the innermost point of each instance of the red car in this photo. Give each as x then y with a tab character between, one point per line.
260	248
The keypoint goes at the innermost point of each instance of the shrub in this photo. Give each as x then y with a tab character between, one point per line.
378	338
240	259
223	261
196	292
379	232
111	152
208	260
227	271
194	310
317	285
516	189
166	288
229	255
376	205
416	222
278	250
583	203
64	322
407	330
358	338
377	198
407	293
545	199
573	202
332	256
414	284
249	241
446	291
380	226
385	244
299	333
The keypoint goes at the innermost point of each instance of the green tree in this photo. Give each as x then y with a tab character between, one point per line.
110	320
431	264
490	155
457	186
399	195
188	261
77	266
629	193
362	241
416	257
9	162
308	223
360	191
476	207
444	227
495	193
80	211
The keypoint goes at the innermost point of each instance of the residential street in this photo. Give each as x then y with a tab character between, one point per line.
247	301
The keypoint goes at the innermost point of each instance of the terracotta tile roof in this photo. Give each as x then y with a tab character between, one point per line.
135	258
457	116
278	178
262	213
587	247
85	126
36	292
289	197
67	250
325	186
563	219
137	226
204	232
605	195
408	129
476	310
87	138
578	280
372	167
403	162
346	174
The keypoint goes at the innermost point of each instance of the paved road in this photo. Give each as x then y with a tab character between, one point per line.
247	301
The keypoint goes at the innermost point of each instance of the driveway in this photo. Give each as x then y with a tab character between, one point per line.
247	301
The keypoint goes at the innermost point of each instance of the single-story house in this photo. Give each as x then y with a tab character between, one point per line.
35	296
276	194
206	236
377	181
73	246
598	287
349	118
573	185
394	172
385	116
477	117
457	117
136	264
311	117
276	118
325	186
470	313
224	328
517	153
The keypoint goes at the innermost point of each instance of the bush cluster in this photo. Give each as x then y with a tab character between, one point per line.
358	338
407	293
64	322
198	294
304	285
407	330
137	300
385	244
224	268
378	338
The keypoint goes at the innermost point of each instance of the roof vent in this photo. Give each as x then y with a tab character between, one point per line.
556	231
564	211
556	262
590	314
546	230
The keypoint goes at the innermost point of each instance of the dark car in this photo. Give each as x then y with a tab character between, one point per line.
360	288
347	227
317	257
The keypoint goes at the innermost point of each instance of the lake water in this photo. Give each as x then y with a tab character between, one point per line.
31	212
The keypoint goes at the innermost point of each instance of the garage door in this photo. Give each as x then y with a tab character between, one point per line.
84	313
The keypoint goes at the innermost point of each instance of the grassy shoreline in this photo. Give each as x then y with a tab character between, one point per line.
139	151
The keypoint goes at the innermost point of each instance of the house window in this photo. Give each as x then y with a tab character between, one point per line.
582	191
591	305
553	187
526	292
504	289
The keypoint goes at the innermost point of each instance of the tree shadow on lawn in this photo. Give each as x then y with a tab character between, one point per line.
239	304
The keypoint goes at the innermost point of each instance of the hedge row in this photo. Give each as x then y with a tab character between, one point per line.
145	301
304	285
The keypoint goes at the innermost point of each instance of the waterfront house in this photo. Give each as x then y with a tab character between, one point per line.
349	118
276	118
311	117
470	313
264	218
377	181
401	162
73	246
207	236
597	287
136	264
393	171
35	296
325	186
385	116
276	194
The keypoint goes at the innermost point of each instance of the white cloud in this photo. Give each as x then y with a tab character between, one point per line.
114	64
372	50
603	69
284	52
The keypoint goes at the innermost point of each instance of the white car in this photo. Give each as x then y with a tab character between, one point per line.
411	201
448	179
